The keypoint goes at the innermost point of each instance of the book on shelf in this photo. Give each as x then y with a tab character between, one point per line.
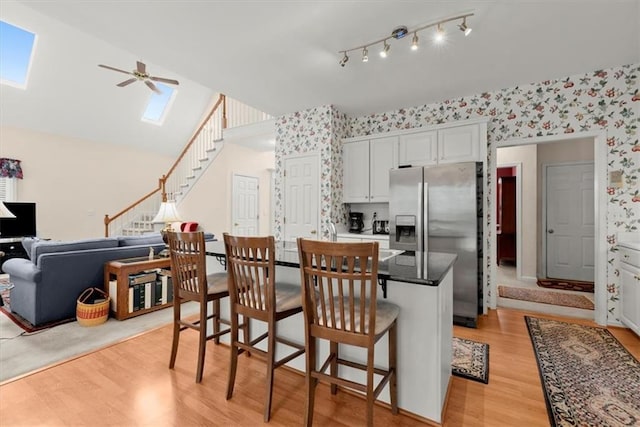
113	293
147	294
167	288
142	277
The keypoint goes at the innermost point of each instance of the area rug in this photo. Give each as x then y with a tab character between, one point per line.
567	285
588	377
24	323
545	297
470	360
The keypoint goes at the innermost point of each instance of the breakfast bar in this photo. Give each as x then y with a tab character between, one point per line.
421	284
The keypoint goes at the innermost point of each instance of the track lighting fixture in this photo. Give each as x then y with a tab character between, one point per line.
400	32
464	28
385	49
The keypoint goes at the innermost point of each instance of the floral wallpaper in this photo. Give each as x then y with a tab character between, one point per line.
317	130
603	100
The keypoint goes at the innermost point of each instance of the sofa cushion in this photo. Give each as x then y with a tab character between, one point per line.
44	247
145	239
27	243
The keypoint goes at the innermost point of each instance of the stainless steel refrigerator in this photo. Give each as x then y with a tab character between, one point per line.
439	209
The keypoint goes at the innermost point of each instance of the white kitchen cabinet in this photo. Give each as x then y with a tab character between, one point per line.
383	158
630	288
355	172
418	149
459	144
366	166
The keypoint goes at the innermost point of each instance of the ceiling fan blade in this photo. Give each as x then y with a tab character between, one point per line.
114	69
126	82
142	67
163	80
152	86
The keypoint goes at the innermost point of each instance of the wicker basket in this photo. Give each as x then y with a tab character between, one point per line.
92	314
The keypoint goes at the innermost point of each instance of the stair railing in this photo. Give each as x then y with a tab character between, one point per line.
136	218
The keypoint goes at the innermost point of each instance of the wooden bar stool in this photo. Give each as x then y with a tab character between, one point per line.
191	283
255	294
340	306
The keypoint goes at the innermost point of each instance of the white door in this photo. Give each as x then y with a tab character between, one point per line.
570	221
245	197
301	197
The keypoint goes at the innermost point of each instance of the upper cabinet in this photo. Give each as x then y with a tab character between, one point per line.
459	144
355	172
418	149
367	160
366	166
382	158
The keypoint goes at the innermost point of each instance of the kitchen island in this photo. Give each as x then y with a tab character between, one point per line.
421	284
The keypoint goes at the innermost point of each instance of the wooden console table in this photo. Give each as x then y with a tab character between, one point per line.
120	270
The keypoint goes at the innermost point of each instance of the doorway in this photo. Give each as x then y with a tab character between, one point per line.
529	252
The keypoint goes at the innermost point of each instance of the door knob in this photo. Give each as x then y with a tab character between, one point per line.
550	231
236	224
313	231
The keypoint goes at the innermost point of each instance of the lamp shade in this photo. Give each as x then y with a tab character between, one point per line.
167	213
4	212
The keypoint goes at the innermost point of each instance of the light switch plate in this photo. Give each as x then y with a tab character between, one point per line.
615	179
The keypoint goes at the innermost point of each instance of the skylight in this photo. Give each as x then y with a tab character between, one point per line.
158	105
16	52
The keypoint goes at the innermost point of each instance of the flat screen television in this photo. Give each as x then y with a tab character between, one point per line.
23	225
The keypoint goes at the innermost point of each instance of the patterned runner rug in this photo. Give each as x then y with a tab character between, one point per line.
545	297
567	285
470	360
588	377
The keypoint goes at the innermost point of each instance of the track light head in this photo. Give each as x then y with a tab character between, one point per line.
464	28
439	35
385	50
414	42
365	54
344	60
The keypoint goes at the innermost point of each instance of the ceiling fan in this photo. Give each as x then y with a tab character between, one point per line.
140	73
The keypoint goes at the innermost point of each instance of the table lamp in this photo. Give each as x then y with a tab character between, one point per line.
5	212
167	215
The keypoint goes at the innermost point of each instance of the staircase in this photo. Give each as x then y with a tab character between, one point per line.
198	154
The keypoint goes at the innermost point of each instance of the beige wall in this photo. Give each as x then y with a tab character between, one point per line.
209	202
76	182
526	156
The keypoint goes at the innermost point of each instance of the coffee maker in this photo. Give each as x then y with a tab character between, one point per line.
356	222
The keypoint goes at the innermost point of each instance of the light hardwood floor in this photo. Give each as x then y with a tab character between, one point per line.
129	383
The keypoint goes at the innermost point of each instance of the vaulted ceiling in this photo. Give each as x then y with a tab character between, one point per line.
282	57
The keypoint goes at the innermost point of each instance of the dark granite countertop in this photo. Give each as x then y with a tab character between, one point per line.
406	267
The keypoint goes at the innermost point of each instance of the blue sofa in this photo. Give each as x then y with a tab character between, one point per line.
47	285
